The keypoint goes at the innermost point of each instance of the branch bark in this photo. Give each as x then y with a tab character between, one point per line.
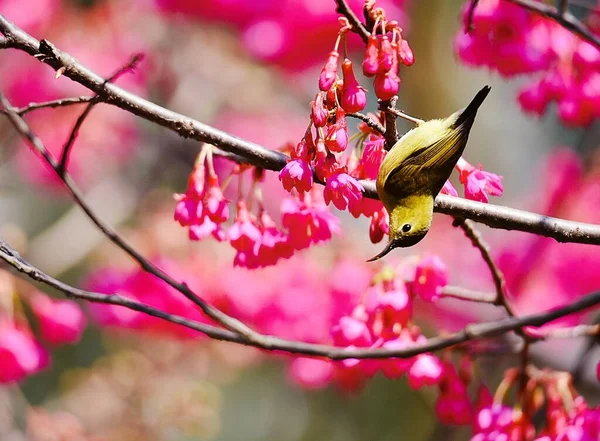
491	215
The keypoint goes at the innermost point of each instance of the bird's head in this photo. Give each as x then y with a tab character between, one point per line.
409	223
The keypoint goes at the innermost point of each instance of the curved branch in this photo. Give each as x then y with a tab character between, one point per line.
491	215
562	16
469	333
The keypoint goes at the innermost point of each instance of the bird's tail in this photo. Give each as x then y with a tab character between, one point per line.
469	112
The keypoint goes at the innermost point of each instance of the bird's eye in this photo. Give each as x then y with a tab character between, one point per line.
406	228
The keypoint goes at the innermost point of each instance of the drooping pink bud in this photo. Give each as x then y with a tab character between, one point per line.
329	71
296	174
354	98
337	135
386	85
405	53
61	321
328	166
386	55
370	63
533	98
318	113
302	151
216	204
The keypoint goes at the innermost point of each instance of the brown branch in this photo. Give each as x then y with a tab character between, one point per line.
499	282
375	125
563	6
564	18
24	130
469	24
66	150
62	102
471	332
403	115
456	292
492	215
343	8
391	131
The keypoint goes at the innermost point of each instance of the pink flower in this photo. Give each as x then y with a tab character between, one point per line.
204	228
61	321
318	113
449	189
386	54
354	98
188	210
342	190
243	234
389	307
380	226
372	156
533	98
396	367
297	174
431	276
216	204
311	373
308	221
20	354
336	139
370	63
427	370
478	183
351	331
329	71
405	53
386	85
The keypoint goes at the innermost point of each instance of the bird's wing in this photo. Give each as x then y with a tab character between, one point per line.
427	166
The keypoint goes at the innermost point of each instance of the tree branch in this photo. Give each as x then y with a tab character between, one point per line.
491	215
212	312
62	102
375	125
343	8
562	17
471	332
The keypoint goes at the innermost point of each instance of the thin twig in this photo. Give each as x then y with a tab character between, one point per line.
563	7
492	215
391	131
66	150
478	242
25	131
343	8
456	292
566	19
375	125
469	24
62	102
403	115
472	332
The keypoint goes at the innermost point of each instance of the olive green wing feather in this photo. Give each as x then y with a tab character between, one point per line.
424	169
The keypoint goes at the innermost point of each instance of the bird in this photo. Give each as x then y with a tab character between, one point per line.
415	169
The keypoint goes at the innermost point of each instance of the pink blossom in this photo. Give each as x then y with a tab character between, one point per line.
311	373
329	71
380	226
533	98
351	331
405	53
431	276
342	190
372	156
205	228
449	189
60	321
188	210
396	367
478	183
318	113
386	85
427	370
297	174
20	354
370	62
336	139
354	98
243	234
308	221
386	54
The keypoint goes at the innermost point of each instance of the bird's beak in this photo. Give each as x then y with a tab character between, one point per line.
390	246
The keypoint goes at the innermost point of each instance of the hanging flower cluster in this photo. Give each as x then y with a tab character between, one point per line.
514	41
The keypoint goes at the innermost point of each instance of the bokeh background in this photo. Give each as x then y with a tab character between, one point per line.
251	68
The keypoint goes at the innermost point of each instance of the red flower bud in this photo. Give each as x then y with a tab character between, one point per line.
329	71
386	55
370	63
386	85
354	98
319	113
405	53
337	135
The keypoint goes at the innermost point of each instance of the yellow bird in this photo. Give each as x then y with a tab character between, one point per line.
415	170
